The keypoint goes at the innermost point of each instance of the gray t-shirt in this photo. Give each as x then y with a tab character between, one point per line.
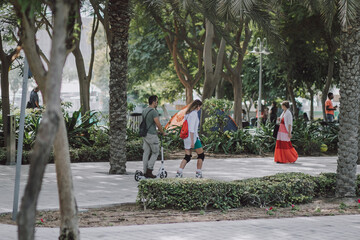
150	124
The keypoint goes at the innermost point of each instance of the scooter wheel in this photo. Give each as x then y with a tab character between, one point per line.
137	176
163	174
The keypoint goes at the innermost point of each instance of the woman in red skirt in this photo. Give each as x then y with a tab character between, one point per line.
284	151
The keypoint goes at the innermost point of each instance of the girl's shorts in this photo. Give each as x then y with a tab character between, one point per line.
187	143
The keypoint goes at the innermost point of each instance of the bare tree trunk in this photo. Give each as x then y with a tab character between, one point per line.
189	95
5	104
220	91
69	228
50	122
211	77
238	100
311	105
326	88
83	81
6	60
292	96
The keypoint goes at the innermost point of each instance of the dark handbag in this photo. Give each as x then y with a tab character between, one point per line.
276	129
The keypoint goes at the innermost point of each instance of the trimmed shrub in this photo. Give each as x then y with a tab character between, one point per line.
186	194
281	190
325	185
134	150
87	153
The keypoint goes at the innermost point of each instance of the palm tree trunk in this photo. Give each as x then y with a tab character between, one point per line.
349	112
119	21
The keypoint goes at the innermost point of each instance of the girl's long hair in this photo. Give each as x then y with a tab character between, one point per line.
193	106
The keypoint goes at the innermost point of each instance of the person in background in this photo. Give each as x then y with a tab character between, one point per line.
192	142
265	115
329	109
273	112
305	116
244	116
151	140
284	151
34	99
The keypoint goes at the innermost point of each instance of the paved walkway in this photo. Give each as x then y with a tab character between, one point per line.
95	187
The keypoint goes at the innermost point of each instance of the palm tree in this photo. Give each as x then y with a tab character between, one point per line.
119	19
347	12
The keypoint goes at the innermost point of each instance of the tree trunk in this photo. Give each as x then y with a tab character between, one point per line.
220	91
211	77
326	88
83	80
5	104
69	228
292	96
189	94
349	112
49	125
237	84
119	22
311	105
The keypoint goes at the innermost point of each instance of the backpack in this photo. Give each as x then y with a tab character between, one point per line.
143	129
184	132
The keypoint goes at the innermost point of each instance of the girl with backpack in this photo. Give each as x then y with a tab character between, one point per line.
192	141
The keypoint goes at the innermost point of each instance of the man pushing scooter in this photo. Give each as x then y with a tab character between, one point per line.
151	140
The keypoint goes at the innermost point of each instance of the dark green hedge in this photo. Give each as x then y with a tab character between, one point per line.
282	189
89	154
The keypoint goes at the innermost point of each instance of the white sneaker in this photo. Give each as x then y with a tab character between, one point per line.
179	175
198	175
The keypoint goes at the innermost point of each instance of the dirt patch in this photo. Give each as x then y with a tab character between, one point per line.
132	214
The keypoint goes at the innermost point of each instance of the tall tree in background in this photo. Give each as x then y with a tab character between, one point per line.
7	56
119	19
184	36
52	128
85	78
238	17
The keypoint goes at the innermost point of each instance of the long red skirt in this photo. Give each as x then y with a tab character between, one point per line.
284	151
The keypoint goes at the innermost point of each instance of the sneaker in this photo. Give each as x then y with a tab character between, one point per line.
179	175
198	175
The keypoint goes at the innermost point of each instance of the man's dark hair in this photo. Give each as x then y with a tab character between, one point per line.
329	94
152	99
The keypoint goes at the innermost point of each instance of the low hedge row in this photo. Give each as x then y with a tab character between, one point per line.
282	189
89	154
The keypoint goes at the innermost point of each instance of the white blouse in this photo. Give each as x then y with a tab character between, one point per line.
193	124
288	119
